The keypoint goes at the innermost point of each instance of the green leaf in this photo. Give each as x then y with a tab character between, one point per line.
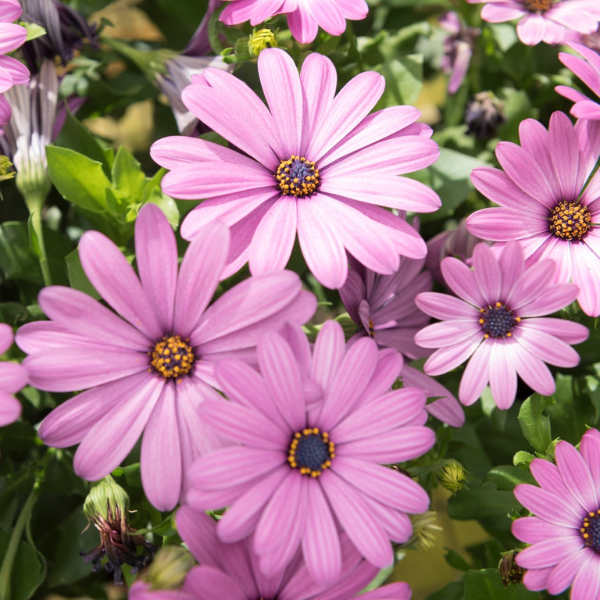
455	560
453	591
534	424
34	31
78	179
487	584
17	259
77	277
506	477
27	573
523	459
167	205
127	175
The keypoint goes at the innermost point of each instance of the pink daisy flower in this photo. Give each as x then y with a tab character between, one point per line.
13	378
304	17
588	70
565	532
543	20
149	370
383	306
312	164
545	202
12	36
230	571
313	430
496	321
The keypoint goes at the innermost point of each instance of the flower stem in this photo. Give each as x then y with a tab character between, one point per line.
36	224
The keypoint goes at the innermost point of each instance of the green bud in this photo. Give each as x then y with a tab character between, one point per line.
424	531
260	40
452	475
104	499
169	568
5	166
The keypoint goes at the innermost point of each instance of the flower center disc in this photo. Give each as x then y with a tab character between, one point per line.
311	452
590	530
570	220
172	357
297	177
497	321
538	5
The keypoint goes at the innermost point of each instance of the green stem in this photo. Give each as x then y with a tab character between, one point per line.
13	545
36	222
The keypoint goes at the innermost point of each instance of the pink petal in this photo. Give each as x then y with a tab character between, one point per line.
564	148
576	476
461	280
12	36
503	376
532	530
476	375
303	26
10	409
548	348
446	359
447	333
590	450
328	353
587	581
210	583
547	506
531	29
548	553
13	377
563	574
585	274
443	306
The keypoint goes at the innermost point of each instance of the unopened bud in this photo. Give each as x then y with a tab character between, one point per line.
169	568
452	475
5	168
104	497
260	40
510	571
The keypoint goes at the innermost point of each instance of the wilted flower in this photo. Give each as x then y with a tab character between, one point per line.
510	571
458	49
13	378
452	475
106	507
484	114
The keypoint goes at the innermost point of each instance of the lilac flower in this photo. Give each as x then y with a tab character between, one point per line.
496	321
545	203
230	571
543	20
13	377
458	49
151	369
304	17
313	429
588	70
565	532
314	164
12	36
383	306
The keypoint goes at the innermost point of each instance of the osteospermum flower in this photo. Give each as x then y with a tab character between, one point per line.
313	164
545	202
565	532
13	377
151	369
384	308
313	430
543	20
231	571
303	16
12	36
496	321
588	70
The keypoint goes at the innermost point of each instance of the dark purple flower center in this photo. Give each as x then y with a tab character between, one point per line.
172	357
497	321
570	220
297	177
590	530
311	452
538	5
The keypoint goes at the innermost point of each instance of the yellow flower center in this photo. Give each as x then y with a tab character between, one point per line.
311	452
297	177
172	357
570	220
538	5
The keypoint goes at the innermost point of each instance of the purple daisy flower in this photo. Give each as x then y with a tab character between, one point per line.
383	306
231	571
496	321
13	378
151	369
545	202
313	164
314	428
543	20
565	532
303	16
588	70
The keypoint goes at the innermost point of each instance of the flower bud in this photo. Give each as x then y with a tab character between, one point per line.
424	528
510	571
106	506
169	568
452	475
484	114
260	40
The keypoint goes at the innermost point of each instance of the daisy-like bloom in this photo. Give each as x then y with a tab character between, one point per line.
496	321
588	70
13	377
314	164
151	369
543	20
313	430
384	308
12	36
565	532
303	16
545	202
230	571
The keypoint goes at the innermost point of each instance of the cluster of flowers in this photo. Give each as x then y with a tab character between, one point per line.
298	449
